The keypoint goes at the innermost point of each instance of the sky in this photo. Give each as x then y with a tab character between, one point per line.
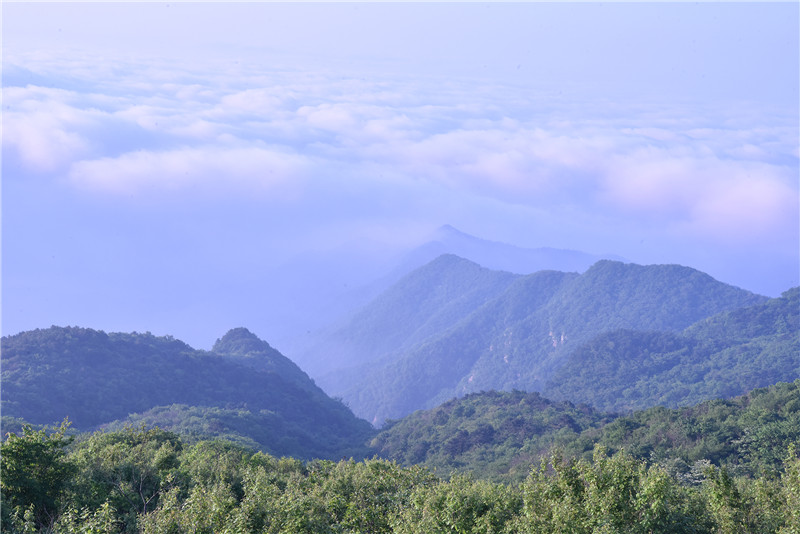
164	165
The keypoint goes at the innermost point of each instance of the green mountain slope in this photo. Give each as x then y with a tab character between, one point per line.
722	356
500	435
266	430
95	378
422	304
425	302
491	434
241	346
429	373
520	338
750	433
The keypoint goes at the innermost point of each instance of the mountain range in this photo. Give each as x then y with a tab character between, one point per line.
614	339
500	256
497	330
320	291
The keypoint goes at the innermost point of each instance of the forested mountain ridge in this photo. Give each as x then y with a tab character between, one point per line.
521	337
499	435
94	378
428	373
312	293
245	390
721	356
490	434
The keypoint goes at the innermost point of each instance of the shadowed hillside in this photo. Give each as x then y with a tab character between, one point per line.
95	378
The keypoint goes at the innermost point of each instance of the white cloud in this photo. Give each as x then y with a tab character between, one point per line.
244	169
710	195
260	102
752	203
199	129
43	128
42	143
692	170
332	117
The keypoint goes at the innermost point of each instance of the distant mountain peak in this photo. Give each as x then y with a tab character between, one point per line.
240	341
448	230
450	235
449	259
503	256
246	348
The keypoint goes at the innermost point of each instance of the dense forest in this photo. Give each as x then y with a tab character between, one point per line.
152	481
487	463
498	435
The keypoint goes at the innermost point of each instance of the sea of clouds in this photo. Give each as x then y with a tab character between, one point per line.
143	129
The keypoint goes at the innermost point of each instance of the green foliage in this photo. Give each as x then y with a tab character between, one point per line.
460	505
34	473
217	462
743	504
286	497
150	481
497	435
206	510
609	494
748	434
87	521
494	435
790	481
129	470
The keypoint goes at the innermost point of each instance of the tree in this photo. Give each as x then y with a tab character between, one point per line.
34	473
460	506
129	469
608	494
791	485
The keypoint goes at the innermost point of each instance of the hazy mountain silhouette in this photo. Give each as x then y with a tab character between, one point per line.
351	285
520	336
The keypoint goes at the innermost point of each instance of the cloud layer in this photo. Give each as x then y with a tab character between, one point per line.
279	136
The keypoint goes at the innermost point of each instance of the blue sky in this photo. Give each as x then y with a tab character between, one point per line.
162	162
